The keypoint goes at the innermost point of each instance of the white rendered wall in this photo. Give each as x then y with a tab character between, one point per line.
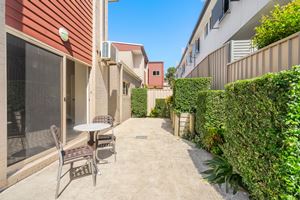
241	12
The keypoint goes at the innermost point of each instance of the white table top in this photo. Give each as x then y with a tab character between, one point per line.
91	127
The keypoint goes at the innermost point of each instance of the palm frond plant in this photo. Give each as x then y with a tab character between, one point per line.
221	172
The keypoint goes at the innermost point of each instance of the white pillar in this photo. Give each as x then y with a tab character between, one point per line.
3	99
98	82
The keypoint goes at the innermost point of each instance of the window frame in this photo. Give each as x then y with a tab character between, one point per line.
190	57
155	73
126	86
197	48
206	29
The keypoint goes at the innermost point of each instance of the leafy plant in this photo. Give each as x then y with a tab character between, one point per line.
262	137
139	102
280	23
213	140
186	91
222	172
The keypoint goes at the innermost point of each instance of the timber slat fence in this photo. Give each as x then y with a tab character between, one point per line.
154	94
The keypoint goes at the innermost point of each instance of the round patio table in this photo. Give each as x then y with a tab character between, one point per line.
91	129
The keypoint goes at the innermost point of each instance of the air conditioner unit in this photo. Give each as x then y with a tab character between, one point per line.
106	50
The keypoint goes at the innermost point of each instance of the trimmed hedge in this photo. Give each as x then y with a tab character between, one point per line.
161	109
186	93
262	138
210	120
139	102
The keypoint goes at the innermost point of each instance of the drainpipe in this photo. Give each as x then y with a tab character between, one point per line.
121	68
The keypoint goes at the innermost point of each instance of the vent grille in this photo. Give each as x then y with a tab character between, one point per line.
240	49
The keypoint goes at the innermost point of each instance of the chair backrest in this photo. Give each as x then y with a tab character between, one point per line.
104	119
56	135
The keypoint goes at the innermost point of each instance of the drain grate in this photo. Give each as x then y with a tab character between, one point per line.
141	137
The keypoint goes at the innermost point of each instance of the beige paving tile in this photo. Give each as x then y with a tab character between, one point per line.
151	164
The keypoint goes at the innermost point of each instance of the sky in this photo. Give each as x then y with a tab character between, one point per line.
162	26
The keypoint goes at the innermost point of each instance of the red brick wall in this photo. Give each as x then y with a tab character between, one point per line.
156	81
41	19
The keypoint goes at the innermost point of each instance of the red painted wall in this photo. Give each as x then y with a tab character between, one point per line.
41	19
156	81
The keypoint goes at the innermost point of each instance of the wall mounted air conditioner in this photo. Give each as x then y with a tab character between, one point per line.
106	50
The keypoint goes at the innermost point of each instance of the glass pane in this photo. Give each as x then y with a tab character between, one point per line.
33	98
76	97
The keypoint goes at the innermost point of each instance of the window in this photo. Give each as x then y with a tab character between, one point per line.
198	45
219	11
191	57
33	98
126	88
206	30
210	23
225	6
155	73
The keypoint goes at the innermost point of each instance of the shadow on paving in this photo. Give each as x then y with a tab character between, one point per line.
167	126
199	156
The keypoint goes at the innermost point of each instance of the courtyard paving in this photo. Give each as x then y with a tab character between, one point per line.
152	164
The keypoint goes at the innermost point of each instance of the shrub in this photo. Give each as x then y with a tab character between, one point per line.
139	102
210	120
262	138
186	92
161	109
282	22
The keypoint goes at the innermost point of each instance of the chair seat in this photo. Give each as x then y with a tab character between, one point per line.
80	152
106	137
105	143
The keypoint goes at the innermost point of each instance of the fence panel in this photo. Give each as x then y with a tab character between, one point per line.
278	56
154	94
217	63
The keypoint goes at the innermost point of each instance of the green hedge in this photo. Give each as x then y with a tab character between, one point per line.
282	22
186	93
262	138
161	109
139	102
210	119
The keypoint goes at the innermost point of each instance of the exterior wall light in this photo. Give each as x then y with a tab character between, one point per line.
64	34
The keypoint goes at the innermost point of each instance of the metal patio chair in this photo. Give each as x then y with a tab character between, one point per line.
71	156
108	141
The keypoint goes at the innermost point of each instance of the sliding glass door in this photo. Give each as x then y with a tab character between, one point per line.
33	98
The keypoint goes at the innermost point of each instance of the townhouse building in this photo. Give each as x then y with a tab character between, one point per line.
51	73
222	35
127	70
156	74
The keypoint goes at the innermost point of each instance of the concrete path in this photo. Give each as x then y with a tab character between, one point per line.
152	164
